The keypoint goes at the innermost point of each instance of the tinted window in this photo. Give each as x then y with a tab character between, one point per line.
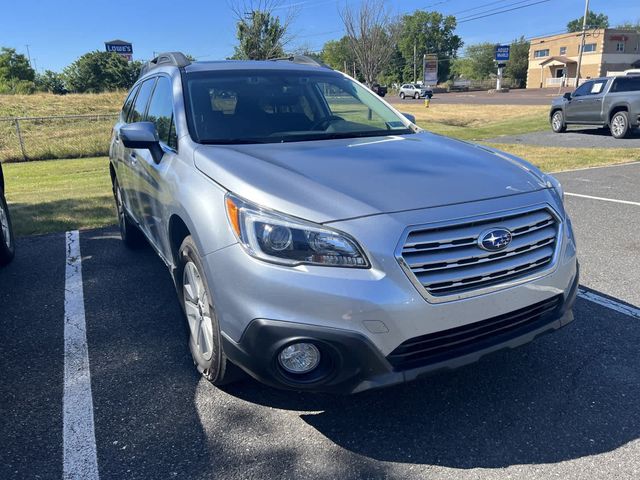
161	112
137	112
274	106
127	104
583	89
626	84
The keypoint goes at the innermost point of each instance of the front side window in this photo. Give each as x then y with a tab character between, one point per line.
137	112
128	103
161	112
583	89
282	106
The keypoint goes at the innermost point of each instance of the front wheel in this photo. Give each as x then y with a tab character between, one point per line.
416	96
7	241
620	125
402	95
205	340
557	122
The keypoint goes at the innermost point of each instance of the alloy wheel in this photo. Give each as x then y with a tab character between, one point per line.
198	311
557	121
618	125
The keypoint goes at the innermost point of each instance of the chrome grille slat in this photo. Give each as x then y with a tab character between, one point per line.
447	260
448	235
464	257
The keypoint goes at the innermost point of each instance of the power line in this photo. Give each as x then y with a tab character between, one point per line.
503	11
519	2
479	7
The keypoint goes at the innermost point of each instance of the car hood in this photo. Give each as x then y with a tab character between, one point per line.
331	180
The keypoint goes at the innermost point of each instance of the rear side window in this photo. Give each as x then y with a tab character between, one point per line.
127	104
137	112
161	112
626	84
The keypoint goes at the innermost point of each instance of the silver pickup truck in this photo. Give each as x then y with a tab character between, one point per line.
612	102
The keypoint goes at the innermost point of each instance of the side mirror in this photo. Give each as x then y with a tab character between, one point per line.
142	135
567	96
410	117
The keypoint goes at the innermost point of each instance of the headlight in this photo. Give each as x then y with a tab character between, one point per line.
278	238
553	182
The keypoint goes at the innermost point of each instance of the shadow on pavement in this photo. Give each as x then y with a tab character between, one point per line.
602	131
567	395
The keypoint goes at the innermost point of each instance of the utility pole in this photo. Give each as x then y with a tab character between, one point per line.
415	54
29	55
584	34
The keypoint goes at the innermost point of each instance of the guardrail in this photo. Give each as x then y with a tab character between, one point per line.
59	136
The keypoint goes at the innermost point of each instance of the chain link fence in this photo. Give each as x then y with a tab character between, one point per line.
65	136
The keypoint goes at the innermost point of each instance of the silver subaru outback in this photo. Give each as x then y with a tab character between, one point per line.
319	240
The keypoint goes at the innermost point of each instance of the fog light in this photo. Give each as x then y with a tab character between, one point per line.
299	358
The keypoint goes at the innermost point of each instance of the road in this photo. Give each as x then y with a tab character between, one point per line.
565	406
575	137
513	97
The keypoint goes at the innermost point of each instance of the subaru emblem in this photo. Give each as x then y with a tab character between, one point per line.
495	239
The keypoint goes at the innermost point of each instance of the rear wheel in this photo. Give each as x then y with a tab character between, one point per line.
620	124
557	122
205	341
131	235
7	242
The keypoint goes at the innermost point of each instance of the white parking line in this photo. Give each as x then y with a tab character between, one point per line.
608	303
626	202
78	436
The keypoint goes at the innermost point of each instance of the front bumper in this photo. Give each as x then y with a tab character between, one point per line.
353	364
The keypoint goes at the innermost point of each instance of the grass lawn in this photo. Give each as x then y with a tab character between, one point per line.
59	195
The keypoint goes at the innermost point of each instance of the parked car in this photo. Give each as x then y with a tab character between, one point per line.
381	90
612	102
320	240
7	241
409	90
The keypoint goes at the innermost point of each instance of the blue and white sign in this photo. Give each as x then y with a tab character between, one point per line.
124	49
502	53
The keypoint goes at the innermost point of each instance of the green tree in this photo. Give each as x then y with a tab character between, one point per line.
594	20
51	82
518	63
14	66
338	53
260	37
629	25
100	71
428	32
478	62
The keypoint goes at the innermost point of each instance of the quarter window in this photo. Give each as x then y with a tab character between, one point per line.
541	53
137	112
161	112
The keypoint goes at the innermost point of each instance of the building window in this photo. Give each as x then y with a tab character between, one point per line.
541	53
620	47
563	51
589	47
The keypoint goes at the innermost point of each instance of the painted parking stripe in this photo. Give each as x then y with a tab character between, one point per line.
78	435
608	303
626	202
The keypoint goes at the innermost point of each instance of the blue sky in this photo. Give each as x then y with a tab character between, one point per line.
60	31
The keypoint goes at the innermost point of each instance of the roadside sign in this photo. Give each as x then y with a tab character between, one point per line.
430	69
502	53
124	49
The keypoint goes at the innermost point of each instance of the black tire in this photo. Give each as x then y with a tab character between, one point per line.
215	366
416	96
7	240
402	95
619	125
131	235
558	124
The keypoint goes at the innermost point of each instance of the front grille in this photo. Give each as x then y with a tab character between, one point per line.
447	260
455	342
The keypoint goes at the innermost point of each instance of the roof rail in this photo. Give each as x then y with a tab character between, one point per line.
302	60
177	59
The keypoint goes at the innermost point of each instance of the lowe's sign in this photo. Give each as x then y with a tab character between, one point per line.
124	49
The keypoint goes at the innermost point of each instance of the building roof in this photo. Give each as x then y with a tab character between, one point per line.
554	61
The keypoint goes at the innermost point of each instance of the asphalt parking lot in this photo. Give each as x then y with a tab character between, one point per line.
575	137
532	96
565	406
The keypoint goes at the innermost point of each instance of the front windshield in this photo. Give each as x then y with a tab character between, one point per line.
281	106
